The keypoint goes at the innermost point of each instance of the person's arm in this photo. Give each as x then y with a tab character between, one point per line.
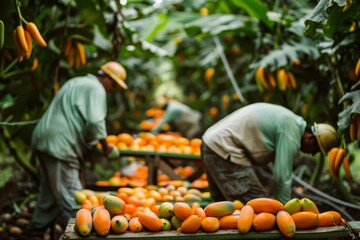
286	151
169	116
106	148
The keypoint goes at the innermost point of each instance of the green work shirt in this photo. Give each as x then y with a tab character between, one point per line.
185	119
74	121
258	134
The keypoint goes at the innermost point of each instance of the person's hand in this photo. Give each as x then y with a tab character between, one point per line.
353	98
112	152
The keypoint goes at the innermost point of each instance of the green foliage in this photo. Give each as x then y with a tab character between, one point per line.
6	174
171	43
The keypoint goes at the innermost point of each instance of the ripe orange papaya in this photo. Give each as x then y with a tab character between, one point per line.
191	224
264	221
182	210
200	212
329	218
229	222
101	221
210	224
83	222
305	219
245	219
150	221
285	224
268	205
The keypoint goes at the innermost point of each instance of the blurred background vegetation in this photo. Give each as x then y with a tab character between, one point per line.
203	53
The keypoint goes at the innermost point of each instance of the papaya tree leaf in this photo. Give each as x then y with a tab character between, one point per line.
255	9
287	53
332	23
215	24
319	15
6	102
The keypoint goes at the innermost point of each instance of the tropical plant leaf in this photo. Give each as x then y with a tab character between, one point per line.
287	53
319	15
255	9
215	24
6	101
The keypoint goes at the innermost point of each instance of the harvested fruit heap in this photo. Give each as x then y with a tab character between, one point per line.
139	178
260	214
138	198
164	142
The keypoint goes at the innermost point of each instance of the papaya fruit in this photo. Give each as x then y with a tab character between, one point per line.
194	206
219	209
268	205
119	224
245	219
182	210
293	206
114	204
264	221
329	218
305	219
285	224
238	204
191	224
135	225
80	197
228	222
165	224
308	205
191	197
166	210
83	222
210	224
175	222
150	221
101	221
200	212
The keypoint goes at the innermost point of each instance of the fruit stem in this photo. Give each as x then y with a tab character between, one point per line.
21	18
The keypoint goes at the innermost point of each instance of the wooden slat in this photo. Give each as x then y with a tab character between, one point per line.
317	233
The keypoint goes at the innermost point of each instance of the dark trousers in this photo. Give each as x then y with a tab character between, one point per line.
230	181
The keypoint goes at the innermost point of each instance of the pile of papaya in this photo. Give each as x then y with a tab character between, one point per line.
138	198
139	178
259	214
161	142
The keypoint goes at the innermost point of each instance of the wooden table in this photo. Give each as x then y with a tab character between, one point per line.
163	161
338	232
